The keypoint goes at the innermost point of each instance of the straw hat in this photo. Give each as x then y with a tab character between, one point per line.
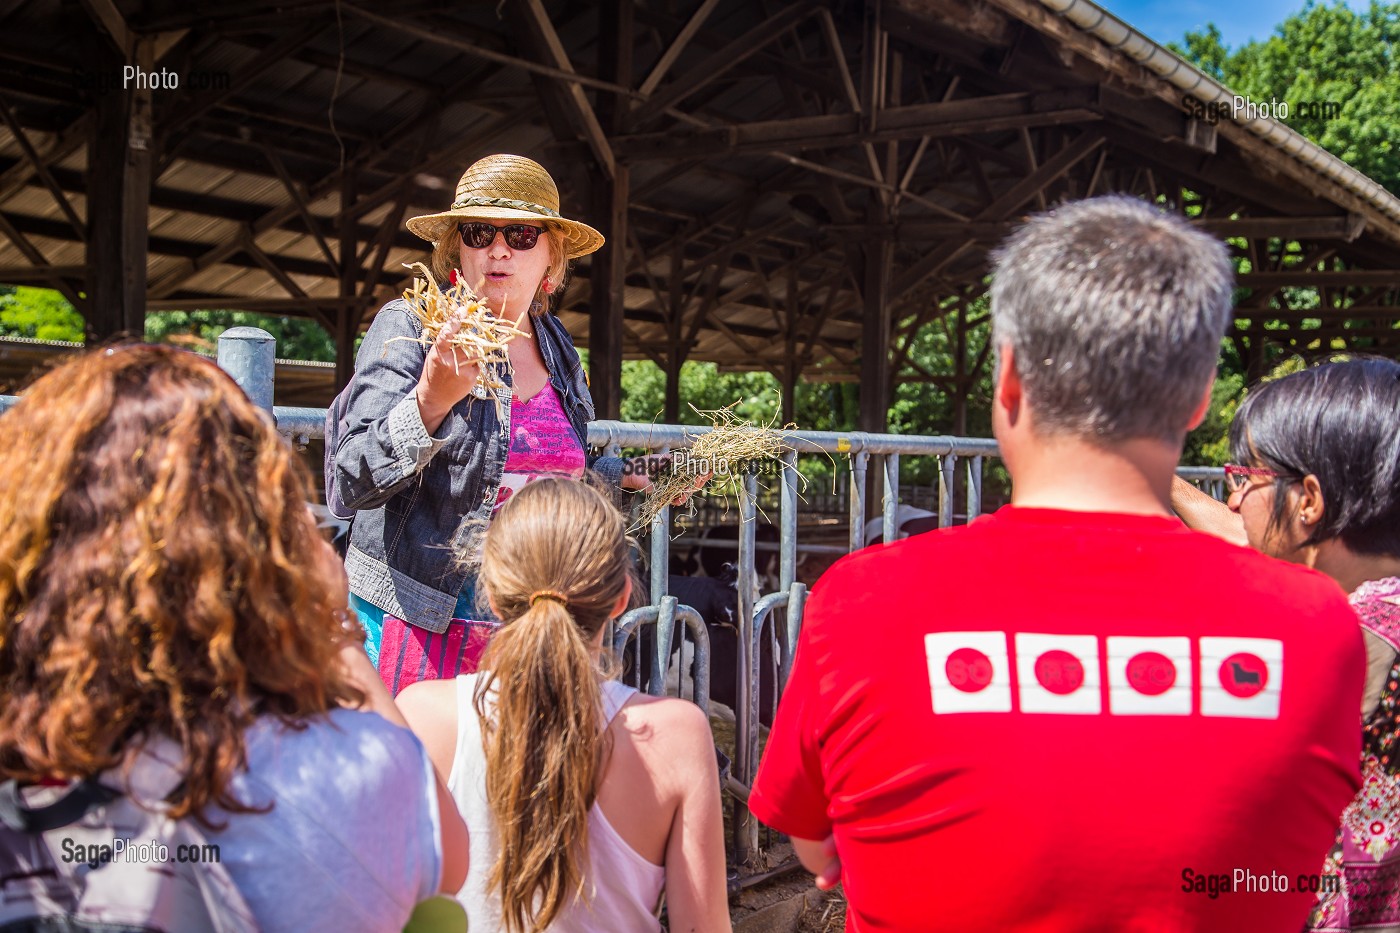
509	187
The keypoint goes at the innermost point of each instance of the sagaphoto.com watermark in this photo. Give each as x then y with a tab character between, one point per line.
129	850
1240	107
681	461
135	78
1245	881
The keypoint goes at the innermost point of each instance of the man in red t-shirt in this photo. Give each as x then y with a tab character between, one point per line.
1076	714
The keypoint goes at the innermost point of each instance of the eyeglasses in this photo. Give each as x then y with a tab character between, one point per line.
479	235
1237	477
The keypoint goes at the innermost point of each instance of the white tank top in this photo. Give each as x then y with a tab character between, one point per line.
626	888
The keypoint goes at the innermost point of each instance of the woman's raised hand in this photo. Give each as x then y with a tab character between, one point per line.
449	375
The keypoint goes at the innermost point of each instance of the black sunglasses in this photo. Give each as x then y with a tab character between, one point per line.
480	235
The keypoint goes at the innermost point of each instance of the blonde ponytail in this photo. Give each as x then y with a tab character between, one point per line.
539	698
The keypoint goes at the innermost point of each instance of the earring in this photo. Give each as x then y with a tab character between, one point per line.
547	286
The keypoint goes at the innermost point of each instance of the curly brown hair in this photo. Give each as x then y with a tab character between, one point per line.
160	574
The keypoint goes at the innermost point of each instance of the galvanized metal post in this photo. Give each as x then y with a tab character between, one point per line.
660	553
947	475
249	355
890	502
787	518
974	488
797	603
745	826
858	461
661	658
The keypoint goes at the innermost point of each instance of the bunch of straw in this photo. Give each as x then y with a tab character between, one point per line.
724	451
482	338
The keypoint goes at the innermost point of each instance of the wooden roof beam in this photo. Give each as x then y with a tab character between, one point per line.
226	209
1306	278
540	33
761	64
978	115
441	36
41	169
170	246
721	61
172	132
1299	228
677	46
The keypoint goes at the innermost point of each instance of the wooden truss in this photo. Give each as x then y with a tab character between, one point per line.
782	185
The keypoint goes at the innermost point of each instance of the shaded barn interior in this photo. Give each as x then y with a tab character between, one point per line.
782	184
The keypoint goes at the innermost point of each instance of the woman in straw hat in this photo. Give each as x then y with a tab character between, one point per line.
423	457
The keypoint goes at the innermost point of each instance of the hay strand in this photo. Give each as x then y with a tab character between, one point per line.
729	449
483	336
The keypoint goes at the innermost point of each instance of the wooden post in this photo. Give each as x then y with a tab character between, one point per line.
608	277
875	339
119	194
962	382
791	367
347	315
1256	361
676	357
610	197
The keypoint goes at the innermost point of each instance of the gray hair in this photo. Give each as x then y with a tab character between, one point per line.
1114	310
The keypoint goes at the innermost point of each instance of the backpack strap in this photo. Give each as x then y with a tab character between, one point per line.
69	808
154	774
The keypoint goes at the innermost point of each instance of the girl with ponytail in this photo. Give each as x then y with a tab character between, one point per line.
583	798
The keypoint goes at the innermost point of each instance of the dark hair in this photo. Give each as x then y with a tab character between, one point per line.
1339	422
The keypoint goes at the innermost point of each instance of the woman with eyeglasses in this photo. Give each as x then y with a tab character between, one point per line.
424	455
1318	483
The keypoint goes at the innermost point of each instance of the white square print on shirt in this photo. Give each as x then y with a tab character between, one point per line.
1149	676
1058	673
1241	677
969	672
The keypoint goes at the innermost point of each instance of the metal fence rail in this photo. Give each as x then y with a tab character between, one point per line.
247	353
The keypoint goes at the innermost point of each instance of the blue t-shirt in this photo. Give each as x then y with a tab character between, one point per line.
353	840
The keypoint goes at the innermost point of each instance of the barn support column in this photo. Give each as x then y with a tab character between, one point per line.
610	195
677	350
119	195
347	313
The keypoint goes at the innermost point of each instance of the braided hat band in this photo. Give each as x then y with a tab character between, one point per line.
504	202
508	187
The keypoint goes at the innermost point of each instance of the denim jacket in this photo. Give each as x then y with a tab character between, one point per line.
413	490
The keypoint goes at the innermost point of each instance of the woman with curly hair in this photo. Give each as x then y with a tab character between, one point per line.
1318	483
584	799
162	581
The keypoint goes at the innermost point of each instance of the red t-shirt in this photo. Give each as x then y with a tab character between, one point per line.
1058	720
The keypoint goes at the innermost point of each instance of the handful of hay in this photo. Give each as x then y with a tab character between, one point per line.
482	338
730	448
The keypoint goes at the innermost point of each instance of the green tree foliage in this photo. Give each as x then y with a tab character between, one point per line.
1324	53
297	338
40	313
44	314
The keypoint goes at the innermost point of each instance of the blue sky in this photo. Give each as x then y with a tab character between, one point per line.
1239	20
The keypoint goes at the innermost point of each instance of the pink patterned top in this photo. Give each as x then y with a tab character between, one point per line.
542	443
1366	856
